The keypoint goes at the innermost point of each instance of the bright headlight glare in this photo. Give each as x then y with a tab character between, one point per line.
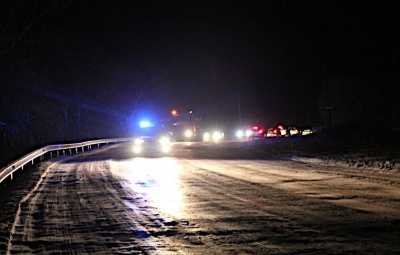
206	136
165	148
145	124
139	141
217	135
248	133
239	133
188	133
164	140
137	149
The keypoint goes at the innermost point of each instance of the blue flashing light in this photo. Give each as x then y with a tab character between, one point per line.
145	124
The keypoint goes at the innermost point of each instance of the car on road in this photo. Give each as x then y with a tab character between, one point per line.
307	131
272	132
279	130
151	145
213	135
256	131
283	130
150	138
293	131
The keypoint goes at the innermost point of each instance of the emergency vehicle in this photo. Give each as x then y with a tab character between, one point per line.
183	126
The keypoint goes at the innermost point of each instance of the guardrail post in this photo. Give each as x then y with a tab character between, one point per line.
83	149
70	152
32	161
63	152
51	154
58	153
76	150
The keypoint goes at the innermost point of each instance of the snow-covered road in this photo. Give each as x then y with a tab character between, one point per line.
97	203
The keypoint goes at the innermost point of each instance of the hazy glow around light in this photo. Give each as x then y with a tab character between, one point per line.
157	180
206	136
165	148
217	136
248	133
174	113
139	141
188	133
164	141
137	149
145	124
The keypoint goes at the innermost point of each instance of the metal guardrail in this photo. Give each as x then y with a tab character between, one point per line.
39	153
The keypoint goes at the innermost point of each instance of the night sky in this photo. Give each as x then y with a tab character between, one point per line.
254	61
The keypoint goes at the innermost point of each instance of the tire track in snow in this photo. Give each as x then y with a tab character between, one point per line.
82	208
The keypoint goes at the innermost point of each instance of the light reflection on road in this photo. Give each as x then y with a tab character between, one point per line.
157	179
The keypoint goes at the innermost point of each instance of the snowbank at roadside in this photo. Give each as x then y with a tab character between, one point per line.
361	146
359	163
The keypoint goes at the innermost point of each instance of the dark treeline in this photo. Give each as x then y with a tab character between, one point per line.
54	86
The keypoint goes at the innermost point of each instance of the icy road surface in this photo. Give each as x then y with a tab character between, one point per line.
109	202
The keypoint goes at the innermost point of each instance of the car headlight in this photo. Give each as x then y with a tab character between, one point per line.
138	141
165	144
165	148
188	133
137	149
239	134
248	133
206	136
217	136
164	140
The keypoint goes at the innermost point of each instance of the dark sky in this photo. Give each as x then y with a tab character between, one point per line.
274	59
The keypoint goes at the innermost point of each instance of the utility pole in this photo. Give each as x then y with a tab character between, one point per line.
240	112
